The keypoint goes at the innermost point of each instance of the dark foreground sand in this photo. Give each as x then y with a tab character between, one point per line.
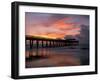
52	61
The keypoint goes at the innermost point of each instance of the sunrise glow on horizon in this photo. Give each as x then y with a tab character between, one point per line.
54	25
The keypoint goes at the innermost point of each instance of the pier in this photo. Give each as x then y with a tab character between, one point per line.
36	43
47	42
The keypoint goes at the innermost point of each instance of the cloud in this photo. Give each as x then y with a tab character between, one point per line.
54	25
84	34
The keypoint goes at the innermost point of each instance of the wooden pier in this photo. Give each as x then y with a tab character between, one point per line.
47	42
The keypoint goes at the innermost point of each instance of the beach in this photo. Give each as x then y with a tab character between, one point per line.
58	56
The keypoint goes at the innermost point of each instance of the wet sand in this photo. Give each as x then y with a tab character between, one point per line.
53	60
52	57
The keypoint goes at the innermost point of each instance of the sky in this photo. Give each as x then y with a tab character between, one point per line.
55	26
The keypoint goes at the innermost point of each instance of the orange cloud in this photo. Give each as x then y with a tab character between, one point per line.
58	29
64	25
56	35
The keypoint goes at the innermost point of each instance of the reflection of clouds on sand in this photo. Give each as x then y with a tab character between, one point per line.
61	56
54	60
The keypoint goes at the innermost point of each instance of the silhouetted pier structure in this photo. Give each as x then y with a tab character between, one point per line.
47	42
40	42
